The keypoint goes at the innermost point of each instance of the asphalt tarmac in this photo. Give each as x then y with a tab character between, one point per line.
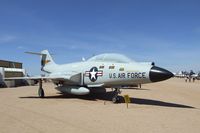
166	107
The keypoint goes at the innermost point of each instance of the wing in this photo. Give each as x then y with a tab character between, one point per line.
70	78
36	78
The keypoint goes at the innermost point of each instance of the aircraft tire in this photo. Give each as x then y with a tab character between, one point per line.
41	93
115	99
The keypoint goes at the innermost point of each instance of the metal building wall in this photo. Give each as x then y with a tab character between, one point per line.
10	64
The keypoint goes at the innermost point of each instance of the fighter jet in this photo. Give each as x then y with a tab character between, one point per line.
98	72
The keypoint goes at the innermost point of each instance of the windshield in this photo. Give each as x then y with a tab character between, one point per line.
118	58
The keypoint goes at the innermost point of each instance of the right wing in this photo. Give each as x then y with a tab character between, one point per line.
70	78
37	78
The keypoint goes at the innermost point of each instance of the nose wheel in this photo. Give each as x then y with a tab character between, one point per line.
41	90
115	98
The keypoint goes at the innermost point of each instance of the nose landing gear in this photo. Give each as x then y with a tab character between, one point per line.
116	98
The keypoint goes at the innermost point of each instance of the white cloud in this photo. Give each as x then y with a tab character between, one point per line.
7	38
21	47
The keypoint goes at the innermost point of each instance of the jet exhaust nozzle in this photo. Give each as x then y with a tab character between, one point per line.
159	74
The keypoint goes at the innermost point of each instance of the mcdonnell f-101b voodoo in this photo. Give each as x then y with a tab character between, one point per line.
100	71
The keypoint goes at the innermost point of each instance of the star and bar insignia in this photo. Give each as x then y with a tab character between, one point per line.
93	74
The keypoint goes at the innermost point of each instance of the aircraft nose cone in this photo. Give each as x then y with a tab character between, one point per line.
158	74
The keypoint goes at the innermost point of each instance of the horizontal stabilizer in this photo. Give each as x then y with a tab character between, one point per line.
34	53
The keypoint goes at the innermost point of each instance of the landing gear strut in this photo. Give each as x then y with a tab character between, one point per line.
116	98
40	90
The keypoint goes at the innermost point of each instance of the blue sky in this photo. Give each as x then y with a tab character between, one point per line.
164	31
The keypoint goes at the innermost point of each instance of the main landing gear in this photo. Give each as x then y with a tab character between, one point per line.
116	98
41	90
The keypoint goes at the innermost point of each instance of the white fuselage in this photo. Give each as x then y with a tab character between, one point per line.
110	74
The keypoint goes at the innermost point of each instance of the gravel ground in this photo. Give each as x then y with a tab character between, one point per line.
171	106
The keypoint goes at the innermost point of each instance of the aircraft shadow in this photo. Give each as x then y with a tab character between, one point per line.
108	97
135	88
143	101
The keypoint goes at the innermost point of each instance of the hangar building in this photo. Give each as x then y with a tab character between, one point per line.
10	69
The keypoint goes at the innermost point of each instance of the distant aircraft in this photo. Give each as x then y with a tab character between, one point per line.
98	72
196	76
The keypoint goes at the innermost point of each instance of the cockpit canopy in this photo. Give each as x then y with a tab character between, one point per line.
111	57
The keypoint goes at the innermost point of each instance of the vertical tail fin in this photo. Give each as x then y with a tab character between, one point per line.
47	63
46	58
